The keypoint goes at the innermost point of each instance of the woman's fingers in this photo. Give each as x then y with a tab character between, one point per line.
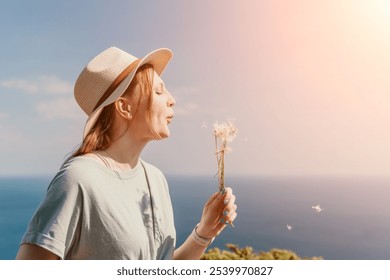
232	217
230	201
230	204
219	211
223	199
220	228
212	198
229	212
228	193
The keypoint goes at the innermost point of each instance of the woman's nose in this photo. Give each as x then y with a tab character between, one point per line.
171	101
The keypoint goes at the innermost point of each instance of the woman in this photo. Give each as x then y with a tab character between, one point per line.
105	202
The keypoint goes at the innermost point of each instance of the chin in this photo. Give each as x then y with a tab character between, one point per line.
165	134
162	134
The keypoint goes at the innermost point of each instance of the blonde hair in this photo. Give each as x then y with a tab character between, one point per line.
100	136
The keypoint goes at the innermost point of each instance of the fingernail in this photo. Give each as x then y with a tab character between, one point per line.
222	220
226	222
225	213
226	201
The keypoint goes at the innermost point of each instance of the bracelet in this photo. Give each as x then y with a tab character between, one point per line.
201	240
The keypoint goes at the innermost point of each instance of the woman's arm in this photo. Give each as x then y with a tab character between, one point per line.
189	250
219	211
34	252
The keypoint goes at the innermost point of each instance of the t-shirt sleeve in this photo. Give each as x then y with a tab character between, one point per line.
55	222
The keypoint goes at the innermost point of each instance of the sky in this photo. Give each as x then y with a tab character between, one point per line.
305	82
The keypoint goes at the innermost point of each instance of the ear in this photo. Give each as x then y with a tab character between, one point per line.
123	107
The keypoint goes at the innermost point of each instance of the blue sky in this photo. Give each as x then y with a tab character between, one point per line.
305	82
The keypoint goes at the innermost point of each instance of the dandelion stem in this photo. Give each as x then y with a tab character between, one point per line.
224	132
222	168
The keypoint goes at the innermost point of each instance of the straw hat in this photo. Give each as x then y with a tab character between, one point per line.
107	76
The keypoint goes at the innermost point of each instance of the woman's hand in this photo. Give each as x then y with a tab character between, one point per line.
219	211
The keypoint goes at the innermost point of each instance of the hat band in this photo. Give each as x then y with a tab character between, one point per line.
116	82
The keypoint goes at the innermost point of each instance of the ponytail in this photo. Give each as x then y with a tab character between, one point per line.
98	137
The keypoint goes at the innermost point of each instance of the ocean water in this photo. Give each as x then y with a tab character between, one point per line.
354	225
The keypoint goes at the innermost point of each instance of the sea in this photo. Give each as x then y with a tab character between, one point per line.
273	212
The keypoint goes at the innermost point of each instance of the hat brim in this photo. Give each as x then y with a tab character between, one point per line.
158	58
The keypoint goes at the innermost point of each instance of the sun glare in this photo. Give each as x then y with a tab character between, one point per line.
373	16
383	7
379	9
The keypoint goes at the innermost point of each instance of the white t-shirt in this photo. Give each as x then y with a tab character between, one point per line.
93	212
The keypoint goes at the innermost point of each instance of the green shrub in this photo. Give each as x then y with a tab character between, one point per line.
247	253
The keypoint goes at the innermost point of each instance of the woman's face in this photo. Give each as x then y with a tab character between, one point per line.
161	111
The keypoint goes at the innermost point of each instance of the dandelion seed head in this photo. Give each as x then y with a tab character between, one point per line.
225	131
228	149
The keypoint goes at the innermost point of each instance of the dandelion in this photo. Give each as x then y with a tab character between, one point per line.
224	133
318	208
